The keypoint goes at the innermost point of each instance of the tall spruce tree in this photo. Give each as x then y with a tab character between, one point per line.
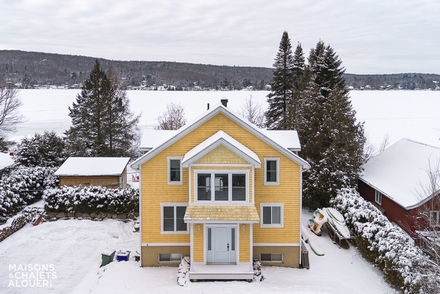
298	84
279	99
102	124
332	142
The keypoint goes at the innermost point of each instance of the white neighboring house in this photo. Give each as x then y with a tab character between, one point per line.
110	172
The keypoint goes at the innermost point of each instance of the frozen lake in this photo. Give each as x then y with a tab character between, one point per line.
397	114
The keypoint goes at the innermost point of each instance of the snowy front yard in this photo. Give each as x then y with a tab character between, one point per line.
66	256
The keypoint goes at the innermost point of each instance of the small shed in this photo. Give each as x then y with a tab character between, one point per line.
110	172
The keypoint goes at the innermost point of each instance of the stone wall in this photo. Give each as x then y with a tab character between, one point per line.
16	225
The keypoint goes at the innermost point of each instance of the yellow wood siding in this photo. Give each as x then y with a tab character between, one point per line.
199	252
104	181
288	192
156	190
245	249
221	154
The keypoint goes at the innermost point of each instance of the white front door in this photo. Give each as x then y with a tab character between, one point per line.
221	241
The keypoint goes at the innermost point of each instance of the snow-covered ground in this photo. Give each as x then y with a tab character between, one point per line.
396	114
69	254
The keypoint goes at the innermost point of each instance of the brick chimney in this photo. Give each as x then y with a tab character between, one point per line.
224	102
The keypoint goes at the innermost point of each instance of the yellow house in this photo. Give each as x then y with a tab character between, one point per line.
222	192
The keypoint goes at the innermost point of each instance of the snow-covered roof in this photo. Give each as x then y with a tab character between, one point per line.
220	138
281	144
152	138
286	138
93	166
400	172
5	160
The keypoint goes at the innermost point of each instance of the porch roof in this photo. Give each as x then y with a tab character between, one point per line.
224	213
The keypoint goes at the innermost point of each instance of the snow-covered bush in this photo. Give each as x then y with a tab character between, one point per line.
91	199
388	246
22	186
47	150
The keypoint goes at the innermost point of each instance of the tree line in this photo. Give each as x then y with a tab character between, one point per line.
34	69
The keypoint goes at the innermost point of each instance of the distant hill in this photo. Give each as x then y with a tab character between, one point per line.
35	69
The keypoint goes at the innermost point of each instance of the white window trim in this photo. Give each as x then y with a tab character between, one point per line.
169	170
230	173
168	204
277	159
281	225
378	197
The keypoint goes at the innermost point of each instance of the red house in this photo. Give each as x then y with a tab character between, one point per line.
403	182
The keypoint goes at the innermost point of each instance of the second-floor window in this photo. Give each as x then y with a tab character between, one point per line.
174	170
221	186
271	171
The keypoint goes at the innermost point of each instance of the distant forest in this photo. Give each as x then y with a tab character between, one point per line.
29	70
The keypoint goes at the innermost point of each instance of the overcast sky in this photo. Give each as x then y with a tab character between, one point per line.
376	36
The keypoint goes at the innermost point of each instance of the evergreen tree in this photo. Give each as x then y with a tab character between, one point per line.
47	150
102	124
332	142
279	99
298	83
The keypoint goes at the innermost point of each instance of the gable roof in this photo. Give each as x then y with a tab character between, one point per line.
400	172
93	166
171	138
286	138
220	138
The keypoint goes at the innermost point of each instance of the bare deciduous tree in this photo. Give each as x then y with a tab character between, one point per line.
9	105
253	112
371	149
172	119
384	143
428	215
